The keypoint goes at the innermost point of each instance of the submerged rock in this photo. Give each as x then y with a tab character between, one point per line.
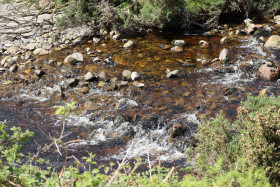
177	49
126	74
224	55
172	74
203	44
74	57
128	45
177	130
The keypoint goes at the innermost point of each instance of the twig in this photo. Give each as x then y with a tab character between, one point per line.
169	174
120	165
12	183
150	168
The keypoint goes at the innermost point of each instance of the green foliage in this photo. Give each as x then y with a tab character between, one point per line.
250	143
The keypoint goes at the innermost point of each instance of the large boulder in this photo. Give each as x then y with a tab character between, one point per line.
273	42
269	71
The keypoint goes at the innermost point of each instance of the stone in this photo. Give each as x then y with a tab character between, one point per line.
277	19
10	62
96	60
72	82
43	3
89	77
225	40
13	68
203	44
179	43
172	74
40	52
177	49
263	93
268	71
26	56
126	74
77	41
42	18
251	29
75	56
177	130
39	72
117	37
273	42
13	50
224	55
96	41
2	69
138	84
85	90
102	76
128	45
4	60
248	22
134	76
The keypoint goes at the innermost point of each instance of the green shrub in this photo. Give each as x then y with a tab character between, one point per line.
253	140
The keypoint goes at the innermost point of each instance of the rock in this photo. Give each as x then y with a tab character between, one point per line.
177	130
126	74
117	37
269	71
172	74
134	76
13	50
102	76
39	72
179	43
224	55
10	62
77	41
128	45
4	60
96	41
26	56
152	122
225	40
245	66
273	42
203	44
96	60
165	46
177	49
248	22
263	93
277	19
72	82
75	56
89	77
2	69
42	18
251	29
43	3
101	84
85	90
13	68
138	84
40	52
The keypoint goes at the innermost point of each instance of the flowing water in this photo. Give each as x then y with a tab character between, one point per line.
108	121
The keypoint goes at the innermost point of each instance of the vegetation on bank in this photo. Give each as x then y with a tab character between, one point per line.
243	153
139	15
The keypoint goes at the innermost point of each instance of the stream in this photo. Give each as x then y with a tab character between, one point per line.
159	120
